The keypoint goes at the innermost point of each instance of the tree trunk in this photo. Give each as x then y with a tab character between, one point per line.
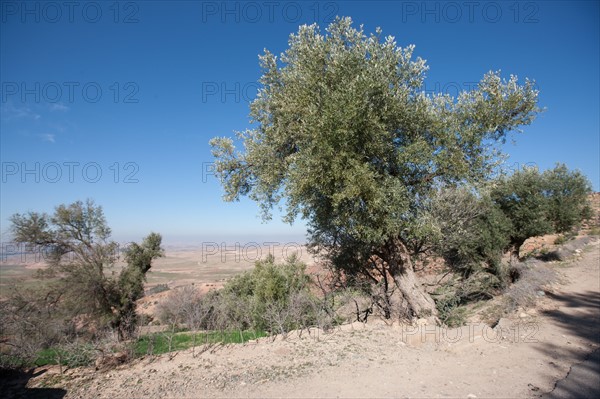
420	303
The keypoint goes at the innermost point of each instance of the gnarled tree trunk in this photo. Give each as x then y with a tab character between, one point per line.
420	302
401	268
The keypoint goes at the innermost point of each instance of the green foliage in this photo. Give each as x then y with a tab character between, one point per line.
540	203
451	312
71	355
567	193
561	239
156	344
273	297
346	134
452	297
521	198
131	281
471	232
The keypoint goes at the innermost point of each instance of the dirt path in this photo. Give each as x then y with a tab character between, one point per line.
521	357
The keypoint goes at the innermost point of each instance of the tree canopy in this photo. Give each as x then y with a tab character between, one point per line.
346	135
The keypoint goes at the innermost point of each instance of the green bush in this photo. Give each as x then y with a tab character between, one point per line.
272	297
521	198
75	354
561	239
451	312
567	193
452	297
555	201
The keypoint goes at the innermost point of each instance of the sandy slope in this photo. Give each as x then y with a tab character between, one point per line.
522	357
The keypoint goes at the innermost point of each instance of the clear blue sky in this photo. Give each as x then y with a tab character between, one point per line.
134	91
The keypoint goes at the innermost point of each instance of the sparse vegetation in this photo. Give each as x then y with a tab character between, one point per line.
158	289
272	297
79	299
157	344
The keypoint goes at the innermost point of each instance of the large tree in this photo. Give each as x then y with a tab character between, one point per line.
75	242
346	134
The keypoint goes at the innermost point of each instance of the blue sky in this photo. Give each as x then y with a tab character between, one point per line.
117	101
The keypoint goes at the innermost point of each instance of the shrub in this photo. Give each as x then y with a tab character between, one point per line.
451	313
451	297
32	321
272	297
70	354
561	239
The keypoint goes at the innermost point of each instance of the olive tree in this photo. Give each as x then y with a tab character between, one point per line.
76	245
541	203
567	192
346	135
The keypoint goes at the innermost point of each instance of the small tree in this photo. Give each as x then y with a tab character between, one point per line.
540	203
567	193
346	134
78	249
131	280
521	198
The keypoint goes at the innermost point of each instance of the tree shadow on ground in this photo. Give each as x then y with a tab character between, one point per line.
579	318
13	384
